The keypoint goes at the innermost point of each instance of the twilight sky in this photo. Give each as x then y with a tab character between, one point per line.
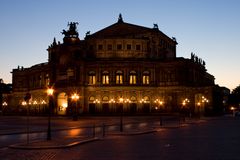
208	28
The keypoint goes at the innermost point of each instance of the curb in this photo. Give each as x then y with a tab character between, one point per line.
29	147
174	127
132	133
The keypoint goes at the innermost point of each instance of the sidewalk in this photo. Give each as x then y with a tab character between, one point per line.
69	132
193	139
70	142
54	143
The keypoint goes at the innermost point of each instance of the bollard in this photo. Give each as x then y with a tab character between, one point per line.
27	123
94	132
121	123
103	130
179	120
161	123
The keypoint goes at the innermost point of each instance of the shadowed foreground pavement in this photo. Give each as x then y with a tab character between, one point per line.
213	139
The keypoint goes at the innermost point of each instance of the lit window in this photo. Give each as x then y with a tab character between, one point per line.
92	78
119	77
133	78
146	77
105	77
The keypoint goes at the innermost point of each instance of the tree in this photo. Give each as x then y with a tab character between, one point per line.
4	88
236	90
234	98
1	92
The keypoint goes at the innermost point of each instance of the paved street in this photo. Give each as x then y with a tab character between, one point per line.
211	138
14	129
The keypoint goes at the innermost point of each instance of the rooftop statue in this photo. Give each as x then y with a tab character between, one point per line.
155	25
120	19
72	31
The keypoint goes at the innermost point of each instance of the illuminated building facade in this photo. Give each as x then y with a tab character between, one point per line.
121	68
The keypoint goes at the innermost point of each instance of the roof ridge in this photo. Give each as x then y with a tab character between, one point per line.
120	24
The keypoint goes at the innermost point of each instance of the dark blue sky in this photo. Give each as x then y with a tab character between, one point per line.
208	28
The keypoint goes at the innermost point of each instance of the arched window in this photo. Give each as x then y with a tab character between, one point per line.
146	77
105	77
91	78
146	99
133	99
133	77
119	77
91	99
70	72
105	99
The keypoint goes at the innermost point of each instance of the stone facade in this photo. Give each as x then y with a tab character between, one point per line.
121	68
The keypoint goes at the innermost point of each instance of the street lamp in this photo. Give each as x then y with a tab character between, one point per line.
4	105
159	104
127	102
185	106
50	95
203	101
112	102
185	109
75	98
233	110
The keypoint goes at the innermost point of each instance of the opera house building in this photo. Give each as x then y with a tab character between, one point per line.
123	68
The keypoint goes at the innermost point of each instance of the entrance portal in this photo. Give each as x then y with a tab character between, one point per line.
133	108
62	103
105	108
92	108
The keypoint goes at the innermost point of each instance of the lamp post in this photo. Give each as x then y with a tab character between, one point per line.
75	98
159	104
50	95
27	98
158	108
121	116
112	101
185	107
199	110
233	111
